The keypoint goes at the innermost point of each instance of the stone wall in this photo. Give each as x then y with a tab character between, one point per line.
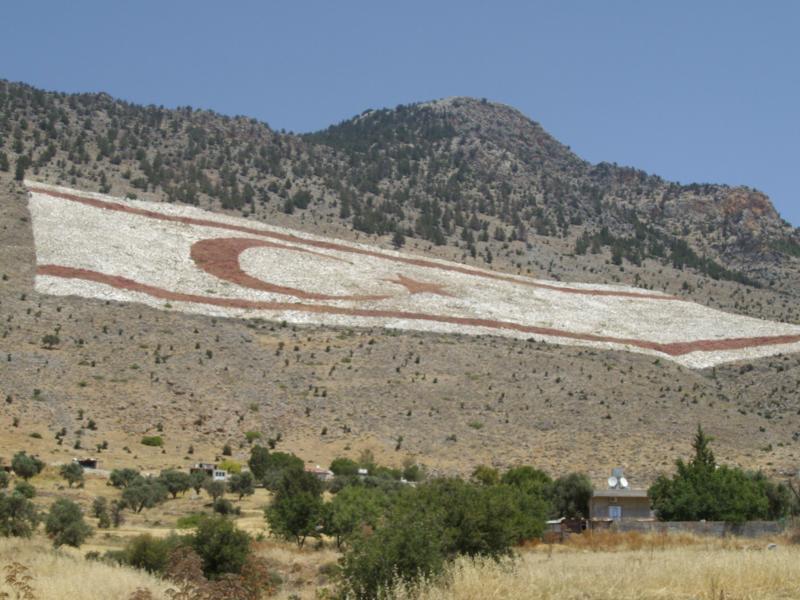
712	528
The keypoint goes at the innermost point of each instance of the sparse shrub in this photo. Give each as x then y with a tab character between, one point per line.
153	440
149	553
50	341
223	506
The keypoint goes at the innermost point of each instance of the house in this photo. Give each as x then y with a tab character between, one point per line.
211	470
616	504
322	474
559	529
87	462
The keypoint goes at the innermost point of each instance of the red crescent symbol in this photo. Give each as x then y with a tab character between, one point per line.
220	257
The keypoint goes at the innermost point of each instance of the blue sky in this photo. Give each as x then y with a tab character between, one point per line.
693	91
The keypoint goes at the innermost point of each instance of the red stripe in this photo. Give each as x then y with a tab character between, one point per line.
672	349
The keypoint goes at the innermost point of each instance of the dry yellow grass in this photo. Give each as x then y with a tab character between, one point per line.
698	571
66	575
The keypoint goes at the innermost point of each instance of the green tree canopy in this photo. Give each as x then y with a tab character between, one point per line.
121	478
296	510
222	547
18	515
703	490
351	509
570	496
73	473
259	461
65	524
344	467
176	482
215	489
26	466
242	484
144	493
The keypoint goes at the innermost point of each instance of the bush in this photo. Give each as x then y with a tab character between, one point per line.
222	547
225	507
18	515
434	523
408	546
153	440
26	466
148	552
65	524
25	489
189	521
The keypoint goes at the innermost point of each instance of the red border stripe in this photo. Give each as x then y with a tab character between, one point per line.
672	349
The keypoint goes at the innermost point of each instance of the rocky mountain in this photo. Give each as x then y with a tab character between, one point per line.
463	179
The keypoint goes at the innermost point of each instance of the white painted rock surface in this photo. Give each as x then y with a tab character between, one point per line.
186	259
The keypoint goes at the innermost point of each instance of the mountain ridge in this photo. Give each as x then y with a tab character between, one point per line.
465	185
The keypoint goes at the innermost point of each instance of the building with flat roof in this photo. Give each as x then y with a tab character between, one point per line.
617	504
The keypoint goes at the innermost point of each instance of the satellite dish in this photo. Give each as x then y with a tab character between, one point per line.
612	482
623	483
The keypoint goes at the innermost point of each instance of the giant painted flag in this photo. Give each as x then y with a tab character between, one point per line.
182	258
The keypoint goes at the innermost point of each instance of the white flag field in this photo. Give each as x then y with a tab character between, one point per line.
181	258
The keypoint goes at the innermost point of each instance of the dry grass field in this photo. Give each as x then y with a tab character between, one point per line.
65	575
626	567
603	566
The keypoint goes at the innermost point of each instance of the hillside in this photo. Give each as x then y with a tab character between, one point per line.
460	179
